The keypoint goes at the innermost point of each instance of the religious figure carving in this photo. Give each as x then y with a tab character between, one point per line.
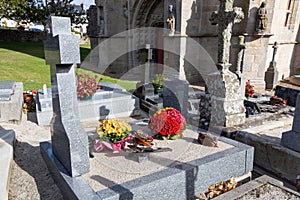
262	18
171	20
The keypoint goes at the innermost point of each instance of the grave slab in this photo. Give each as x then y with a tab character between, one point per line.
11	110
6	90
7	139
190	168
111	101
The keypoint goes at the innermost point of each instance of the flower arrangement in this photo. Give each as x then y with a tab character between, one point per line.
113	133
167	123
249	90
29	101
275	100
157	82
86	85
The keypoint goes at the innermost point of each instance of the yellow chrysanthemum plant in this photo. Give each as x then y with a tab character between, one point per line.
113	133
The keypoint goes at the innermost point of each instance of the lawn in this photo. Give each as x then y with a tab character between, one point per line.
25	62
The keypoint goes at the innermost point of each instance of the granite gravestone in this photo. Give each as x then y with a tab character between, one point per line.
69	139
291	139
175	94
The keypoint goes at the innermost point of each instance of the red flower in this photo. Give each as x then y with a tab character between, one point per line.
167	122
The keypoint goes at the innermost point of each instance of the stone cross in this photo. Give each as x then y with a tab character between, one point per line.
225	17
69	139
227	104
146	74
271	75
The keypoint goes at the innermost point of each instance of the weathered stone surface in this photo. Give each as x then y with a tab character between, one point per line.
11	111
7	139
270	155
6	90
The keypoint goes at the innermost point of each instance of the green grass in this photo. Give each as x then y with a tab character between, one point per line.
25	62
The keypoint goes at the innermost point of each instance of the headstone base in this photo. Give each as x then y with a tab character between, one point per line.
227	104
291	140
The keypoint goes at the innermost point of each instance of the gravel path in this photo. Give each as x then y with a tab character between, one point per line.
30	178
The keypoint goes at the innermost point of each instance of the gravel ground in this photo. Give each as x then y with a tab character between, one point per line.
267	192
30	178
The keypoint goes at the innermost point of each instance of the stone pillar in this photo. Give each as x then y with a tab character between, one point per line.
291	139
69	139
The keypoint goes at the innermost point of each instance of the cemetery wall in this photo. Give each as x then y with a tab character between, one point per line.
21	36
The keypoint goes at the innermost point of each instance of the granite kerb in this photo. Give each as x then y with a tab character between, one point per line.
195	176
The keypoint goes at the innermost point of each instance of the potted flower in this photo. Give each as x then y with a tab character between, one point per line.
249	89
167	123
86	86
157	83
29	101
275	100
113	133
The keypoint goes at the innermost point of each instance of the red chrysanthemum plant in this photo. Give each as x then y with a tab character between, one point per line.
167	123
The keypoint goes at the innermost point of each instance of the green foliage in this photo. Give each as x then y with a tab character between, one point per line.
28	10
158	81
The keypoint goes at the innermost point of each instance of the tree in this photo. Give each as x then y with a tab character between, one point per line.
30	10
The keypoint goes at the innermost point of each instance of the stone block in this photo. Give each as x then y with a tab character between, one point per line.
175	95
103	104
6	90
11	111
296	122
62	49
7	139
69	140
59	25
290	94
280	160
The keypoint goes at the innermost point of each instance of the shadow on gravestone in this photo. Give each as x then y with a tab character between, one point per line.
69	139
291	139
175	94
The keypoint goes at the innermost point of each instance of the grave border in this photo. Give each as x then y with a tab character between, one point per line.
241	156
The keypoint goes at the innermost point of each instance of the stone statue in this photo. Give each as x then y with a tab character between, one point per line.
171	20
262	18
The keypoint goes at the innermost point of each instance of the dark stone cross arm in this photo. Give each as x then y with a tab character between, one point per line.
225	18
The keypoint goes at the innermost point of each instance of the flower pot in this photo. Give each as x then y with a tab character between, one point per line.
85	98
158	90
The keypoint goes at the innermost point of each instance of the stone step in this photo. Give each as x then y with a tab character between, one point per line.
7	139
265	127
